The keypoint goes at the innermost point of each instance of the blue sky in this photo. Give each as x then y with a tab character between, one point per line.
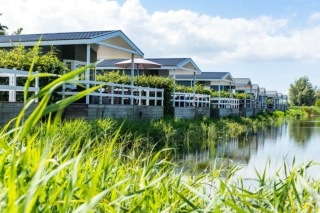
272	42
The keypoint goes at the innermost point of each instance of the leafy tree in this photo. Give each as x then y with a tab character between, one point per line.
317	93
18	31
301	92
3	28
317	104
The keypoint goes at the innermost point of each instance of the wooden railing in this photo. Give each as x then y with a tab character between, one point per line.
181	99
12	88
110	93
232	103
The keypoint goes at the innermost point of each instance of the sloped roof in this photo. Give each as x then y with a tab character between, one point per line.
271	93
255	86
262	91
204	76
53	36
166	62
101	41
241	81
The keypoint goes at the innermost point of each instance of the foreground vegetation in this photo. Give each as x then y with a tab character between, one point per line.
80	166
111	166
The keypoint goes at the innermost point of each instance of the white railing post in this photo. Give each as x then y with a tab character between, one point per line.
37	87
162	93
87	73
139	96
64	86
148	96
156	96
122	93
112	93
219	96
100	99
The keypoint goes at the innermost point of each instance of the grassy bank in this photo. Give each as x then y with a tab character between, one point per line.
175	133
83	166
304	111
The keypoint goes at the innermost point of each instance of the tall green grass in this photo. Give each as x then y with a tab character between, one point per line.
107	166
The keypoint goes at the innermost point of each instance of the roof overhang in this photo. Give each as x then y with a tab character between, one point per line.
186	65
113	44
205	79
248	83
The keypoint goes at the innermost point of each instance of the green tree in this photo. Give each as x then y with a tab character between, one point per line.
18	31
3	28
301	92
317	93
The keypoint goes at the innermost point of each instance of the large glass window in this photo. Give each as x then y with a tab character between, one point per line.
73	65
185	83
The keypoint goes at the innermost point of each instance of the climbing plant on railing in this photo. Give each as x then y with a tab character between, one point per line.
144	81
21	58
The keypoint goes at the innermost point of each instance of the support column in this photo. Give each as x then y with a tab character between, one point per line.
174	88
14	83
194	90
219	96
132	77
194	83
87	75
245	97
250	96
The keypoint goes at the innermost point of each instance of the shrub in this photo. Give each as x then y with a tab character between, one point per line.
21	58
144	81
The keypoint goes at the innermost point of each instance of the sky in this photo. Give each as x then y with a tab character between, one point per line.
272	42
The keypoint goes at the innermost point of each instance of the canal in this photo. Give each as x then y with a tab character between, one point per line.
292	142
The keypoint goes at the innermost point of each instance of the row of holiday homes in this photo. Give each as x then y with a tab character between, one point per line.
107	48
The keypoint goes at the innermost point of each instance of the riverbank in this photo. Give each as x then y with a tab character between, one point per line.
78	166
180	134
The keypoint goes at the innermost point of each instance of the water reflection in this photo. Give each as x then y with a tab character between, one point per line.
301	132
298	138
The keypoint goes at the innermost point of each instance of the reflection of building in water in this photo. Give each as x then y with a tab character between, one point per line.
226	151
239	149
274	132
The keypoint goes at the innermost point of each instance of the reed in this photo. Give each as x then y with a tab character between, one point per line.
108	166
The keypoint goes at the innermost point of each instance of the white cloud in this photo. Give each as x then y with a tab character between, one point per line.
207	39
314	16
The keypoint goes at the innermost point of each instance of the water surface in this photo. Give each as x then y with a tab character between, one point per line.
293	139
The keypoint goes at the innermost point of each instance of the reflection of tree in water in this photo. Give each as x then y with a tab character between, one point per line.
239	149
301	131
274	132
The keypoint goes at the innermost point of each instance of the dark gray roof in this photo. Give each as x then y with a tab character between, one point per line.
204	76
271	93
53	36
255	86
166	62
241	81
